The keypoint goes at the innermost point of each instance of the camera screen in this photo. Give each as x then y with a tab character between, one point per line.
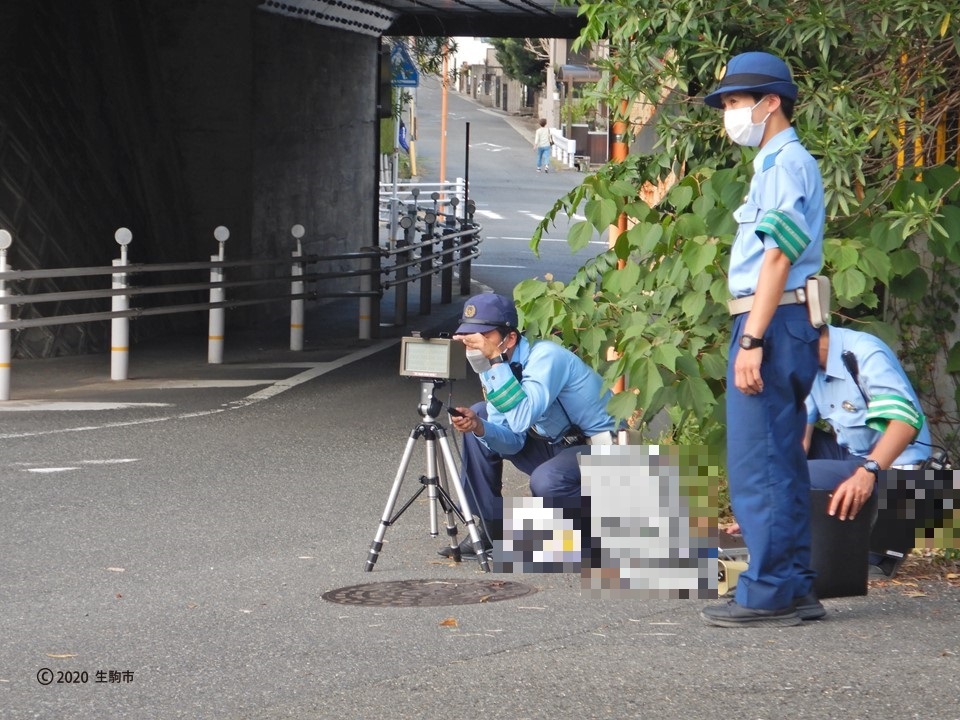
426	359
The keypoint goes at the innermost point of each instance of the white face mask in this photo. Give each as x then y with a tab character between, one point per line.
478	361
741	128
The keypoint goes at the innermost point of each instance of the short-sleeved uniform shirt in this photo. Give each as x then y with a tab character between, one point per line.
836	398
556	389
783	209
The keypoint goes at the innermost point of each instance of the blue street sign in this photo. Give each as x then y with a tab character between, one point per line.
404	71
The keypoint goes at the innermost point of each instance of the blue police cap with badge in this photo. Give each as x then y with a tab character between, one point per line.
483	313
754	72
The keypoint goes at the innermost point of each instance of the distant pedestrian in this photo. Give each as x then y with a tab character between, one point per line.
542	142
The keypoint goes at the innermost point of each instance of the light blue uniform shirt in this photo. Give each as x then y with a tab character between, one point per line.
550	373
836	398
783	209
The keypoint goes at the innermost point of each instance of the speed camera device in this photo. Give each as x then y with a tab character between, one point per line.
438	358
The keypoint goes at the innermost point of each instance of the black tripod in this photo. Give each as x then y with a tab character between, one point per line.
435	482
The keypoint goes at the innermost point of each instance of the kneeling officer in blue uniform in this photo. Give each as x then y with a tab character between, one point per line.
543	406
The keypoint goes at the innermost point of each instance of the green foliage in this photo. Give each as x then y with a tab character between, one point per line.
519	62
663	311
875	78
428	53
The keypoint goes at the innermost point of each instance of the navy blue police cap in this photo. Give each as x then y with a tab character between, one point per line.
486	312
751	72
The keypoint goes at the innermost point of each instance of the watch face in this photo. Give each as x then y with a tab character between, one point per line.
748	342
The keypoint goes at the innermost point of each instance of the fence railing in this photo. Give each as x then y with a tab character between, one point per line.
439	249
563	149
445	196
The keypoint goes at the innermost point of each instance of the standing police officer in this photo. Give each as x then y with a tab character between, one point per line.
773	351
543	406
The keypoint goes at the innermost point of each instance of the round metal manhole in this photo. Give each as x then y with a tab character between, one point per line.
428	593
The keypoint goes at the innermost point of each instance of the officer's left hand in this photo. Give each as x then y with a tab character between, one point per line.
851	495
746	371
468	421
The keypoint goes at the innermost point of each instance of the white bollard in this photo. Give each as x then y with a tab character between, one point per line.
120	327
217	324
6	336
296	288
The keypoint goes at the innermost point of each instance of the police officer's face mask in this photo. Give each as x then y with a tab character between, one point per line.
741	128
480	362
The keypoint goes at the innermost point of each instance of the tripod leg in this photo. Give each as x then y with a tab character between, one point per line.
449	509
430	481
464	504
385	520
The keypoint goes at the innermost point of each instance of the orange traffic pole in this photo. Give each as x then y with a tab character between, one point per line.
618	153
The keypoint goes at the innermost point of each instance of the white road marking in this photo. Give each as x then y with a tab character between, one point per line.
29	467
543	239
489	147
67	406
576	217
509	267
489	214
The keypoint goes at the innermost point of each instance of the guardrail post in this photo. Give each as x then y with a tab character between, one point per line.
426	262
369	310
464	265
296	288
217	324
6	336
120	326
446	253
400	276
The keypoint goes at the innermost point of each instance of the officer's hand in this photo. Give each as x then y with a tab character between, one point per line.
467	421
746	371
487	343
851	495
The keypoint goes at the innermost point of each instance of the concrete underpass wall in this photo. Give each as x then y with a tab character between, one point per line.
314	139
171	117
83	150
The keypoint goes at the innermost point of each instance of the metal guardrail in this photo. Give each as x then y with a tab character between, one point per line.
394	197
438	251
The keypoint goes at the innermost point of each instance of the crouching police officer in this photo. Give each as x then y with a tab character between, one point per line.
543	406
863	393
865	396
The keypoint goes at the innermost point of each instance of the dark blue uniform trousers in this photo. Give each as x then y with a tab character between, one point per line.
829	463
554	471
769	481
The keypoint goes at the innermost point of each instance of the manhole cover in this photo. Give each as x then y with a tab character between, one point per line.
428	593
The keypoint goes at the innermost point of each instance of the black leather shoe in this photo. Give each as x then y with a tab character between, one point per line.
730	614
809	607
466	549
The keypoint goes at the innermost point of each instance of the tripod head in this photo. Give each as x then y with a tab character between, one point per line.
430	406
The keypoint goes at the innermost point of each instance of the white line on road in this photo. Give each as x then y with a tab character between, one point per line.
28	467
489	214
65	406
509	267
543	239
